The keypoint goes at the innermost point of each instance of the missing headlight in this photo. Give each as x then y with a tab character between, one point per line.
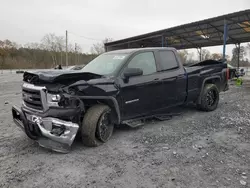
69	101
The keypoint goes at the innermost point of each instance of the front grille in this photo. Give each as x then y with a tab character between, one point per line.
32	98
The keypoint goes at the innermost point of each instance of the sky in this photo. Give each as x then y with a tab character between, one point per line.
25	21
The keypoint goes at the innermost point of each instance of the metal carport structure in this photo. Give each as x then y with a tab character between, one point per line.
231	28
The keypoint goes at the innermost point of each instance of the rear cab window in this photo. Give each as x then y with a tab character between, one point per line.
168	60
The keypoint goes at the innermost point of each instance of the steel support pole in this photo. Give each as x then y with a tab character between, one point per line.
224	39
200	54
162	41
238	63
67	59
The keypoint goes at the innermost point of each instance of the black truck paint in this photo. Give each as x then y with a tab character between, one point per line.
143	83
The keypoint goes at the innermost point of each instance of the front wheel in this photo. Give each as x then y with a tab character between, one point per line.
97	126
209	98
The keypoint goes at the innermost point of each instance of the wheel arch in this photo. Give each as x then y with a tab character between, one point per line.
110	101
216	80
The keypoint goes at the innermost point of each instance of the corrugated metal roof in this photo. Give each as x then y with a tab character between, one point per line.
208	32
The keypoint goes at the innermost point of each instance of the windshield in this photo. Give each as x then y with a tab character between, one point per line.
105	64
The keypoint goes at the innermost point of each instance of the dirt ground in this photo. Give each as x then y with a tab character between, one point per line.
195	149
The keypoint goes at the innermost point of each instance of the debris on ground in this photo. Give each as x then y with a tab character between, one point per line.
166	148
242	182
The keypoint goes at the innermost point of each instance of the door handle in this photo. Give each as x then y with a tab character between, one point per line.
156	80
170	79
181	76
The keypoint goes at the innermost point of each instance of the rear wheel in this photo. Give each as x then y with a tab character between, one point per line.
97	126
232	75
209	98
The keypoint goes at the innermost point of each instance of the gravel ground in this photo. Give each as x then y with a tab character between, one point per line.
195	149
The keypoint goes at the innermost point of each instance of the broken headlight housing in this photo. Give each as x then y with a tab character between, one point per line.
53	99
62	100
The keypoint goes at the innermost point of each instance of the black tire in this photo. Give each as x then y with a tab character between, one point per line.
209	98
93	124
231	76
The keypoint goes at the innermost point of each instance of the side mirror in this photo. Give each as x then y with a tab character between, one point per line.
130	72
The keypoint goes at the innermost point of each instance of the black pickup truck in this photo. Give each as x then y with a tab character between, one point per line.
117	87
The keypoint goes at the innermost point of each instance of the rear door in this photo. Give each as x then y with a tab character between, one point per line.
141	93
173	78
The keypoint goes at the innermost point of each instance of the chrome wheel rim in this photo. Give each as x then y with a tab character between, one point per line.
105	127
211	98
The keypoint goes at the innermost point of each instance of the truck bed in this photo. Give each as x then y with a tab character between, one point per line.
197	73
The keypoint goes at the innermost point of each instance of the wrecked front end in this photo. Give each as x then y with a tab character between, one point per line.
52	120
53	110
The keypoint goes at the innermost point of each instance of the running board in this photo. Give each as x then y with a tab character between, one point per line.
134	122
141	121
163	117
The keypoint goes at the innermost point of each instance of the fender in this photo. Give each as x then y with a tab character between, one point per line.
203	84
114	101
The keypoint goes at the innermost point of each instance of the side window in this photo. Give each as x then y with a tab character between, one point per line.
144	61
168	60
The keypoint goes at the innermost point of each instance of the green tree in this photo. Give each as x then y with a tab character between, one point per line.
7	48
248	50
205	54
183	55
39	55
99	48
53	44
237	53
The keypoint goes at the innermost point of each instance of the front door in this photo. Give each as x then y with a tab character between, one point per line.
140	94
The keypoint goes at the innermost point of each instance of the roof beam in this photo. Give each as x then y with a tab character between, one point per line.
183	38
210	33
248	17
189	33
206	34
238	22
116	43
222	32
243	34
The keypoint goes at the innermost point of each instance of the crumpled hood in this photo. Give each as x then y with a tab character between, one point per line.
85	82
58	76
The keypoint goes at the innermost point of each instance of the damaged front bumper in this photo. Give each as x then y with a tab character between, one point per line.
49	132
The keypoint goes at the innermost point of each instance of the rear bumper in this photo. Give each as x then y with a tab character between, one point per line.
49	132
